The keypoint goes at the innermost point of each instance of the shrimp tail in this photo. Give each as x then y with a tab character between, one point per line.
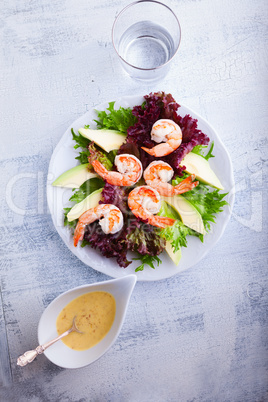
161	221
186	185
159	150
149	151
79	233
99	168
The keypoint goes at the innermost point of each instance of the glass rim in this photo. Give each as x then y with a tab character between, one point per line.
116	20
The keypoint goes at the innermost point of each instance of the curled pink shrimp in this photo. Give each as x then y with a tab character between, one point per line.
112	220
159	173
129	170
166	132
144	202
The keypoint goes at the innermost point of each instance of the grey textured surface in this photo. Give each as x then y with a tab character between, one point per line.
200	335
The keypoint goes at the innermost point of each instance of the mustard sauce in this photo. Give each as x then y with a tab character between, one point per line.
95	313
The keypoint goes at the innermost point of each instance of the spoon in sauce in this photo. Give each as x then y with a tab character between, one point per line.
30	355
65	354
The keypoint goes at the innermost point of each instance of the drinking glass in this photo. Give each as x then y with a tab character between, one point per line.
146	36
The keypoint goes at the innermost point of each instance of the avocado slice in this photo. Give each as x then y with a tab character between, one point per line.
174	256
196	164
90	201
73	178
188	213
106	139
166	211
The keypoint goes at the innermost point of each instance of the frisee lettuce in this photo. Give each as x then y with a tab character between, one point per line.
81	142
120	119
71	224
208	202
111	119
147	260
178	232
199	150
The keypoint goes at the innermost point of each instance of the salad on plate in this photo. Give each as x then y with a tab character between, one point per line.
143	184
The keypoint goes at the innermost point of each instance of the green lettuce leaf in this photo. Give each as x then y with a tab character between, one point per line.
81	142
111	119
71	224
208	202
147	260
176	234
199	150
120	119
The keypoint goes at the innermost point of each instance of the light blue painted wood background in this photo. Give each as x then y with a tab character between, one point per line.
200	335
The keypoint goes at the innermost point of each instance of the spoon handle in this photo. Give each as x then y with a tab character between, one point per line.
30	355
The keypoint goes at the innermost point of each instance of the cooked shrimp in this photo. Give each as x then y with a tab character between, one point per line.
129	170
159	173
144	202
168	133
112	220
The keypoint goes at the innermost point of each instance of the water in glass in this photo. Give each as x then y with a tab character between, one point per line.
146	45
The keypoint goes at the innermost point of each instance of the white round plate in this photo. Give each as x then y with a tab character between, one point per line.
63	158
